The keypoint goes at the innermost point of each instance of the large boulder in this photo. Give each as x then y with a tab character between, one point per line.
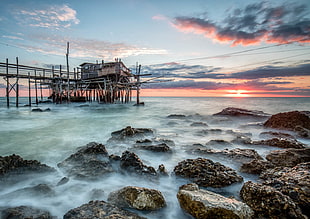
232	111
130	132
293	182
280	143
203	204
138	198
256	166
14	165
90	161
294	121
38	191
100	210
289	157
267	202
22	212
206	173
162	147
131	163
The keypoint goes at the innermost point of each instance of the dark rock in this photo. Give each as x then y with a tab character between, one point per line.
37	110
277	135
138	198
267	202
114	157
63	181
199	124
15	165
162	170
218	142
256	166
130	132
89	161
293	121
205	204
293	182
206	173
25	212
280	143
232	111
155	148
176	116
143	141
39	191
289	157
132	163
100	210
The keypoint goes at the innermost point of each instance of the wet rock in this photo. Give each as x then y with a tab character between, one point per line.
39	191
96	194
267	202
25	212
162	170
256	166
205	172
89	161
41	110
293	121
205	204
276	134
293	182
138	198
219	143
176	116
280	143
242	139
100	210
289	157
131	132
237	154
132	163
155	148
63	181
199	124
232	111
143	141
14	165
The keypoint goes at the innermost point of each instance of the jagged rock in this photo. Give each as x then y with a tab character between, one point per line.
237	154
293	182
206	173
276	134
132	163
298	121
130	132
163	147
289	157
267	202
162	170
89	161
218	143
203	204
39	191
138	198
256	166
280	143
199	124
100	210
176	116
232	111
63	181
14	165
25	212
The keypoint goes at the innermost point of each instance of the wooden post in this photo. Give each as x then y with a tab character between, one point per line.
138	85
41	88
68	80
29	89
17	86
35	85
7	84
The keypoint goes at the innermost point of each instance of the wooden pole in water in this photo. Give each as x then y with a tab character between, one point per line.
7	84
29	89
17	86
138	86
68	80
36	86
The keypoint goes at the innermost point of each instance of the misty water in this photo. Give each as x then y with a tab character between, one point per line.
52	136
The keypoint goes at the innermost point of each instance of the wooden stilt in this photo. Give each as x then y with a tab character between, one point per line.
7	84
29	90
17	85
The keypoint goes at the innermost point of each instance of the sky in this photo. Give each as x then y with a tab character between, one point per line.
228	48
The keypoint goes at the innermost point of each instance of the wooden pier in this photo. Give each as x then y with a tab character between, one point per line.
89	82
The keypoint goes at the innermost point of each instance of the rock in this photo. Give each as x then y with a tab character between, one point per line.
162	170
256	166
96	194
206	173
25	212
237	154
41	110
130	132
132	163
289	157
280	143
199	124
100	210
63	181
232	111
293	182
38	191
90	161
293	121
138	198
276	134
267	202
163	147
176	116
14	165
218	143
203	204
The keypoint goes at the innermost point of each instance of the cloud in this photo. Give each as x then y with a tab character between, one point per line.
159	17
254	24
53	17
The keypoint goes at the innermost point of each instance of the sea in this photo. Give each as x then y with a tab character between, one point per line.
54	134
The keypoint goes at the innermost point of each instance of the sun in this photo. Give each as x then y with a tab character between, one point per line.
237	93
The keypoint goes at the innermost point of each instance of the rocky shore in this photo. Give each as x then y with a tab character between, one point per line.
281	191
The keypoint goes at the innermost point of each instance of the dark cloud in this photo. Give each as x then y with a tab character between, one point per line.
254	24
